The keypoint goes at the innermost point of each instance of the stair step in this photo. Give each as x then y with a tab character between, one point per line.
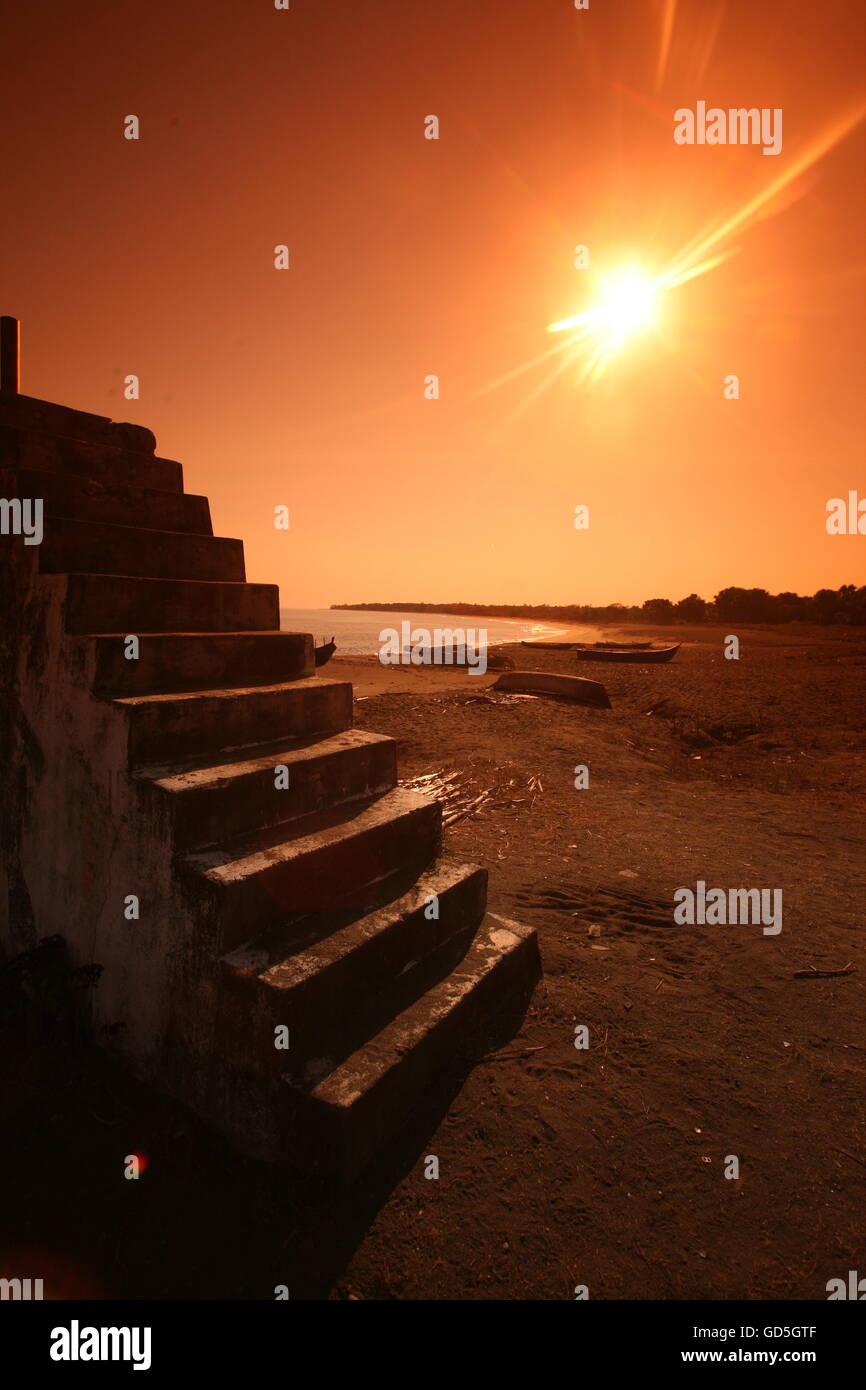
342	1119
66	494
165	729
331	861
112	461
28	412
225	801
93	547
97	603
185	661
342	987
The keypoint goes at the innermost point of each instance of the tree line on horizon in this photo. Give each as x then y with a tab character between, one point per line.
845	605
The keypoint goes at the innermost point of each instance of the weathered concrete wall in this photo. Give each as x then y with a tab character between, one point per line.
115	790
77	837
80	833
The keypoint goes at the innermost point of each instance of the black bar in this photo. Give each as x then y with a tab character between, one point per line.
10	354
234	1338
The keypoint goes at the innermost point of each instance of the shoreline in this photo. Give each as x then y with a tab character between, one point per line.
369	676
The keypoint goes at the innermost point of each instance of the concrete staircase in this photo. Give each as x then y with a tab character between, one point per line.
203	821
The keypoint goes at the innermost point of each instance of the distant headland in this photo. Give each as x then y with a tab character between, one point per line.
846	605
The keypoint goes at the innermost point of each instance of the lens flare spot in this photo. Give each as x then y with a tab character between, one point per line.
627	305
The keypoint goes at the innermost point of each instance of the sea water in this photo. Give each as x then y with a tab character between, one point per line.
357	633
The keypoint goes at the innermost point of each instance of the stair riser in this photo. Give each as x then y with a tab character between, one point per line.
338	1008
168	733
198	661
113	503
104	463
209	815
84	547
342	1140
334	876
101	603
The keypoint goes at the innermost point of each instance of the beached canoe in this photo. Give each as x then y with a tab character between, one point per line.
324	653
619	646
627	654
583	692
551	646
601	646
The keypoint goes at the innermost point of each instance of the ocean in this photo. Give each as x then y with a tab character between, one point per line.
357	633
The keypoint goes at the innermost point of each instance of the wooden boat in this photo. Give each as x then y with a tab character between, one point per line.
551	646
583	692
621	646
324	653
651	654
601	646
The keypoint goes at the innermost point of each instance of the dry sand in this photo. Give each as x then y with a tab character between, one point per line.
370	677
558	1167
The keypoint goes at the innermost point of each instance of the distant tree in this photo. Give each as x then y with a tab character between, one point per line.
789	608
824	606
691	610
852	602
847	604
659	610
744	605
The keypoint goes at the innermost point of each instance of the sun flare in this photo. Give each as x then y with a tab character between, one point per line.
626	305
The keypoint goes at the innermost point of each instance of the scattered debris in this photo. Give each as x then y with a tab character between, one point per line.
853	1157
463	794
814	974
510	1056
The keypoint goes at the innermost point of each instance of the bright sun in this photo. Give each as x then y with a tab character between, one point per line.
626	305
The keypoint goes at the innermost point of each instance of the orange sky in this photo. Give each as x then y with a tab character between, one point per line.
411	257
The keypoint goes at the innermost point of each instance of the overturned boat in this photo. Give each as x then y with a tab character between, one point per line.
576	688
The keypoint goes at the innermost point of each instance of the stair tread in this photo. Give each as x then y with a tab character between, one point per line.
70	496
347	1083
241	859
149	531
227	692
208	772
298	966
72	544
81	483
50	417
173	661
160	579
274	634
263	749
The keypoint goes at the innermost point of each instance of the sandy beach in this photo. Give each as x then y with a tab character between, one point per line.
559	1166
706	1041
370	677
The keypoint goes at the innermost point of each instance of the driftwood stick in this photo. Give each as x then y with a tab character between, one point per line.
813	974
